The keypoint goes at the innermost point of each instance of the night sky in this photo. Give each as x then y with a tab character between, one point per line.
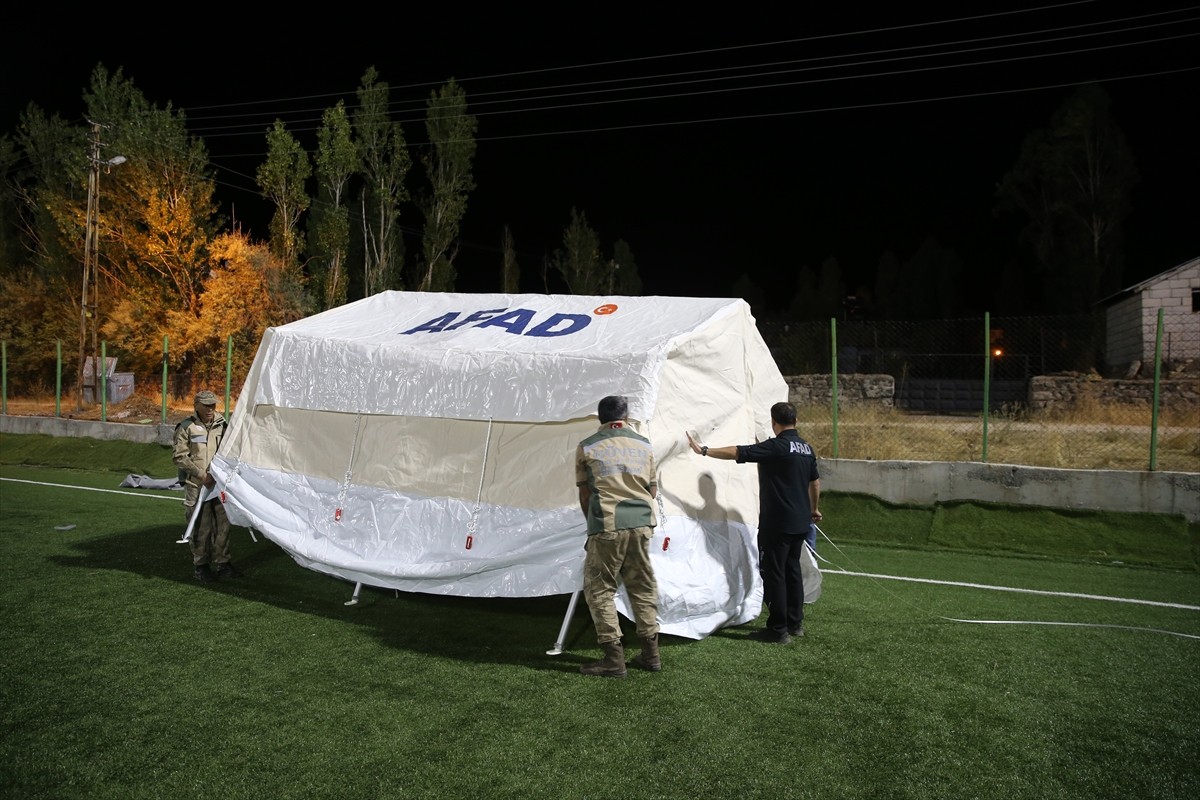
714	146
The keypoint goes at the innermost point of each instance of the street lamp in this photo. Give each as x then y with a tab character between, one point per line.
91	266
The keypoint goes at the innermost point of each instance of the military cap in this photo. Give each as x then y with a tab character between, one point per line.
206	398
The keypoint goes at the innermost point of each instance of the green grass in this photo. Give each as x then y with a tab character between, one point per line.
124	678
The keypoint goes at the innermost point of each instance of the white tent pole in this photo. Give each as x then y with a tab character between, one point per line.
354	600
187	534
562	632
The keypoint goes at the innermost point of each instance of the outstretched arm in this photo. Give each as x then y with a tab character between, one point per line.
728	453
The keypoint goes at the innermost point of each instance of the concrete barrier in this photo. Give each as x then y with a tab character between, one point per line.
909	482
928	482
87	428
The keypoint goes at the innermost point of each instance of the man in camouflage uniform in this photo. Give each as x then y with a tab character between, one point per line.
196	441
615	473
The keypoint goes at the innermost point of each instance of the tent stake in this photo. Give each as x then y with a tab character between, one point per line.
353	601
562	632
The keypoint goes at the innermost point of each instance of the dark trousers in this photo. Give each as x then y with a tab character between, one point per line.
783	582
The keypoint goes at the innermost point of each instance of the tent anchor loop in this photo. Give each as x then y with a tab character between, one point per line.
337	512
353	601
473	523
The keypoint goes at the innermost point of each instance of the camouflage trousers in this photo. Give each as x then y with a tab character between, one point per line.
210	534
616	557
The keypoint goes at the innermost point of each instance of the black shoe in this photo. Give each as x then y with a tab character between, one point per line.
203	574
770	637
797	631
228	570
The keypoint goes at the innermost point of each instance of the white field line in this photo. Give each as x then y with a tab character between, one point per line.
1011	589
91	489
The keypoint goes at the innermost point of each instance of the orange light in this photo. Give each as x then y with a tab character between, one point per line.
997	353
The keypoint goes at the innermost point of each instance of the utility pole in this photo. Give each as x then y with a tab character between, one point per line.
89	251
89	301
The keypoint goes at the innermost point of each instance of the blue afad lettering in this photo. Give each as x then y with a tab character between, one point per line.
516	321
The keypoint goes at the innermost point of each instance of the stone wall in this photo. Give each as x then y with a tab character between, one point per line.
1045	391
1058	391
853	390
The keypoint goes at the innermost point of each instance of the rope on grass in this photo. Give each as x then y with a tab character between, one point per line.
1009	589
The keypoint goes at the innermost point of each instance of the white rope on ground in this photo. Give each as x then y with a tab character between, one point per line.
116	491
91	489
1078	595
1025	591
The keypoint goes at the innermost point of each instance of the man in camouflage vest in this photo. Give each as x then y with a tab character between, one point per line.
196	441
615	473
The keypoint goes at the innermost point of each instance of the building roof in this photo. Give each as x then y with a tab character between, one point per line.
1143	285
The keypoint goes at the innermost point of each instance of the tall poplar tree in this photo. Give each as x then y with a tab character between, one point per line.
579	260
385	162
337	161
448	161
282	179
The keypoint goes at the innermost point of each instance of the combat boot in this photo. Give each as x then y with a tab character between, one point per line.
611	666
648	658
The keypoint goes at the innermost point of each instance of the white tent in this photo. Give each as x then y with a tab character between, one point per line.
425	442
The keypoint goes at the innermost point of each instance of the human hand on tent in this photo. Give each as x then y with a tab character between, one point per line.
728	453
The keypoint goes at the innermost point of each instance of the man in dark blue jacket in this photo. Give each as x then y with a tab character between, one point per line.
789	490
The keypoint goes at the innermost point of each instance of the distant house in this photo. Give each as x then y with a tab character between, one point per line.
1131	318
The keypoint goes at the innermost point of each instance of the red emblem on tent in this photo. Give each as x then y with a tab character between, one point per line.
607	308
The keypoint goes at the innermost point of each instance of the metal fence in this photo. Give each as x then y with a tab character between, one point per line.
1033	391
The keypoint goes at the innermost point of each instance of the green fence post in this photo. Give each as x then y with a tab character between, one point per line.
3	377
834	381
164	382
102	384
1157	380
987	377
58	381
228	371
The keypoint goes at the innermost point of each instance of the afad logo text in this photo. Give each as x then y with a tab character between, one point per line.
517	321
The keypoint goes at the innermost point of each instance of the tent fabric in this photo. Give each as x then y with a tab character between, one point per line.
425	442
147	482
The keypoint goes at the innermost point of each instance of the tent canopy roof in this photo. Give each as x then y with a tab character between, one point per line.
518	357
